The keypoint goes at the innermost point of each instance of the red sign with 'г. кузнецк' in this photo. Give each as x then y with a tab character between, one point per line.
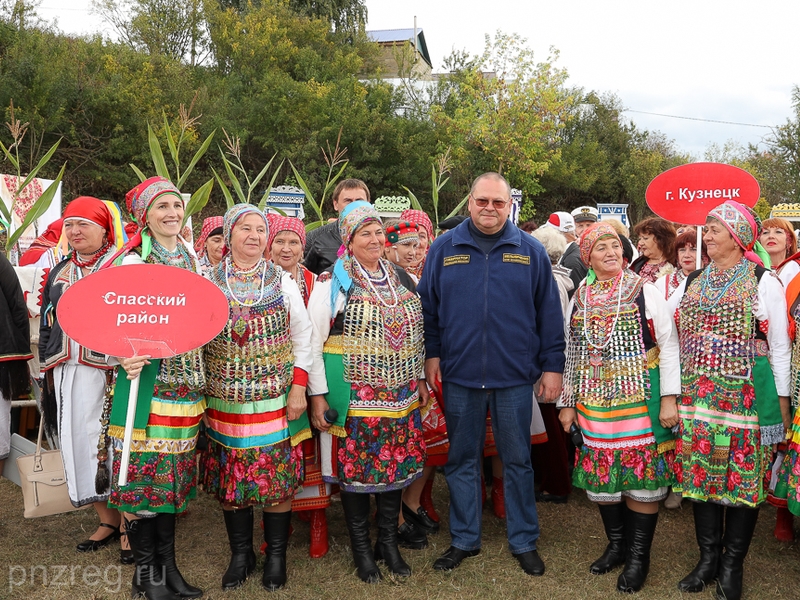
686	194
157	310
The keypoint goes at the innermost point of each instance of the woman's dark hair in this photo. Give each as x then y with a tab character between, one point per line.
529	226
664	234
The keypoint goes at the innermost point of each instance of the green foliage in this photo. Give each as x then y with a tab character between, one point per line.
763	208
503	111
285	77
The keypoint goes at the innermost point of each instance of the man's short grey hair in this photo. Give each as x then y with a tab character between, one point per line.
494	177
553	241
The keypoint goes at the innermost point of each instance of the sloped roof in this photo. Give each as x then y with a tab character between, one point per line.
388	36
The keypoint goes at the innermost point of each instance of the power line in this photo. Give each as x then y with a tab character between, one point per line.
697	119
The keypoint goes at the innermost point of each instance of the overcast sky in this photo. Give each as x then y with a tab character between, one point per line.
706	59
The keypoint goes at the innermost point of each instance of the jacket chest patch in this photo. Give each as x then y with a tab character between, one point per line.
457	259
520	259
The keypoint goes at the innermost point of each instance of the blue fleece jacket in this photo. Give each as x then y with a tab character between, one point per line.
494	320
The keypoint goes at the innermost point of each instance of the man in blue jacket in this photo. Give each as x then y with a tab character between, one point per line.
493	327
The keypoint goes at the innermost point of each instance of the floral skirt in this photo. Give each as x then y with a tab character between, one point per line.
379	454
253	476
719	455
250	458
620	452
787	485
162	472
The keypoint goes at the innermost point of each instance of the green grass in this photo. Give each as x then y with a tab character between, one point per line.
572	537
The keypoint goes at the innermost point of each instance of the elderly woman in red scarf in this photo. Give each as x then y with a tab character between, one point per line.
285	247
170	405
210	245
76	376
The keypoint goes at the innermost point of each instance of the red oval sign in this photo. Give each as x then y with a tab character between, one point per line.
143	309
686	193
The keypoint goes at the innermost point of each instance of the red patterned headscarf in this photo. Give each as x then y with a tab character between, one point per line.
279	223
209	225
419	217
592	235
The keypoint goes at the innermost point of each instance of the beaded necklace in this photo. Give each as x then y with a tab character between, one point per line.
716	282
244	277
174	258
596	302
97	255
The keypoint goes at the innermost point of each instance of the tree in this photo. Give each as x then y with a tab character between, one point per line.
502	111
21	14
346	16
159	27
778	166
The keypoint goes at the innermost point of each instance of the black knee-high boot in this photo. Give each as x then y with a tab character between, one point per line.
276	534
165	557
613	516
708	530
239	524
639	529
148	578
740	523
386	547
356	514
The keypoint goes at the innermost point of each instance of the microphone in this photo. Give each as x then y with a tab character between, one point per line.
331	415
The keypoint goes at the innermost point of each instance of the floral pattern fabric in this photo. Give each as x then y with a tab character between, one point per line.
247	476
162	472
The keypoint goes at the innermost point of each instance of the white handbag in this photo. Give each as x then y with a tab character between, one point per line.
43	481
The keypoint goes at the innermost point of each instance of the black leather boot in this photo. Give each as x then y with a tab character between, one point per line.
613	516
276	534
639	530
239	524
165	557
148	578
386	548
740	523
708	530
356	514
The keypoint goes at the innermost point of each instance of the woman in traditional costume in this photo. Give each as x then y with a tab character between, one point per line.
368	360
780	242
163	471
686	259
210	245
79	378
402	241
657	247
421	219
257	372
285	247
620	386
734	403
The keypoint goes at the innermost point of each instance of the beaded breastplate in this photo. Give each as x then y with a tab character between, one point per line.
185	369
607	357
716	326
382	344
252	358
